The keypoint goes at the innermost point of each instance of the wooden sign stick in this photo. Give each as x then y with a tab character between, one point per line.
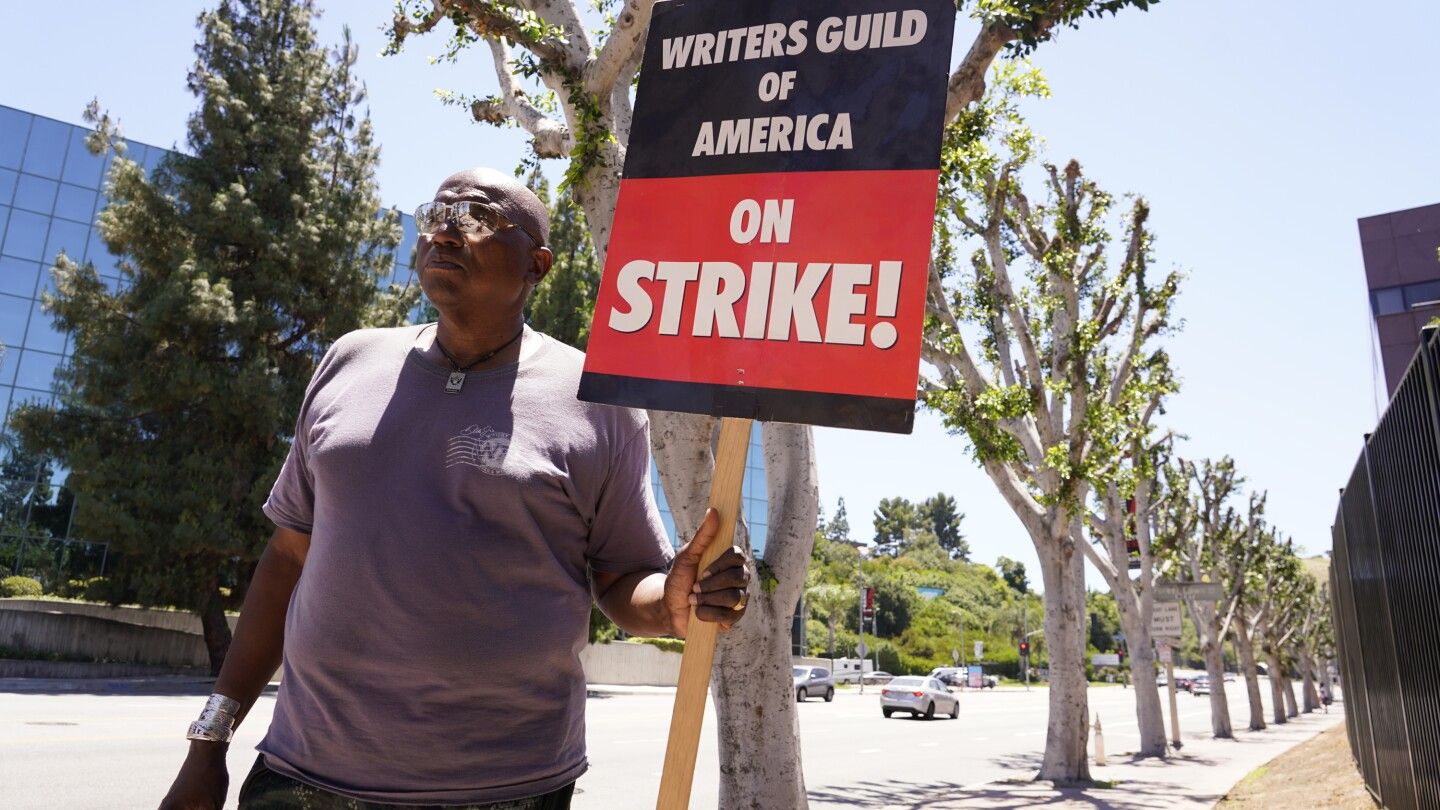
694	683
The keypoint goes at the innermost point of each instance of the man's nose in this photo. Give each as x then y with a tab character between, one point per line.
448	234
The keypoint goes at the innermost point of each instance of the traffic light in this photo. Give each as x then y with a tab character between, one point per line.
1025	648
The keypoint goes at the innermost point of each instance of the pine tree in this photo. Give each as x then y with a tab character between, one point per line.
240	264
563	303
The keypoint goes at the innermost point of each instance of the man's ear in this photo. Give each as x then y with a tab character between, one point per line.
542	259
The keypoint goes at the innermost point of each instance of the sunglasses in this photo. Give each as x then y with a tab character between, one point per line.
467	217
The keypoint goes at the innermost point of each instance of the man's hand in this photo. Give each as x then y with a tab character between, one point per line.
202	782
719	594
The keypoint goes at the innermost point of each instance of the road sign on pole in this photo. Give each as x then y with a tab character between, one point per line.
1165	620
955	656
979	650
862	649
1168	591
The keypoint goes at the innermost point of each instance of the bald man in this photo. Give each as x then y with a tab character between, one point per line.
447	512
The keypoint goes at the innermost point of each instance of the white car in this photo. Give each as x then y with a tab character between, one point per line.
921	697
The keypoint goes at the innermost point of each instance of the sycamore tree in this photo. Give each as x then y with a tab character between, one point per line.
240	263
1121	526
569	88
1043	345
1279	618
1316	643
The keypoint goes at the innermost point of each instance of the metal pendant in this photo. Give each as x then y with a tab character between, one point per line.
454	382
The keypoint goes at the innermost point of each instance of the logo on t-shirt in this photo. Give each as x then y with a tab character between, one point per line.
483	448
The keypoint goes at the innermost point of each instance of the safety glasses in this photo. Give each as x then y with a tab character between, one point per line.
467	217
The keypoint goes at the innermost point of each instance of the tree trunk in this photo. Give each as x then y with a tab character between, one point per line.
1148	709
1245	648
759	763
1308	676
1277	689
1291	709
1219	701
1062	570
214	626
754	706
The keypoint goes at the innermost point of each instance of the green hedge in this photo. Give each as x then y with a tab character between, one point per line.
21	586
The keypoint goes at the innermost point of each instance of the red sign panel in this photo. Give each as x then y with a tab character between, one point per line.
770	250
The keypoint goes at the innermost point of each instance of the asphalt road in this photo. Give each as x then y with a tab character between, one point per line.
117	751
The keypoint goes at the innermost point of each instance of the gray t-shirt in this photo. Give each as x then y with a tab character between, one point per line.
432	643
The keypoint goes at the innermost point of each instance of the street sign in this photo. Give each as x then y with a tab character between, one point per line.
1168	591
975	677
862	649
1165	620
770	252
979	650
1105	659
955	656
1162	653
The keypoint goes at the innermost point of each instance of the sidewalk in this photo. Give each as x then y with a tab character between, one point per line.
1194	778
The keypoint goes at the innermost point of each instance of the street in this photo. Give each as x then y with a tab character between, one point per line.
120	750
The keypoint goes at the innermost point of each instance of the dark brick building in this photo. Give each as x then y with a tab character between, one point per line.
1402	271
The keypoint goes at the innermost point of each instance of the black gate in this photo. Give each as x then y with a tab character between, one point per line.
1385	583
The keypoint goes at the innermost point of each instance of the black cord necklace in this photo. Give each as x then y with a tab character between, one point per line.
456	380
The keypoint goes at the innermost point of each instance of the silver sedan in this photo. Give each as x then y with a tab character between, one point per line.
921	697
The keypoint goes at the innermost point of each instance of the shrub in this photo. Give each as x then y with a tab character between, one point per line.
666	644
21	586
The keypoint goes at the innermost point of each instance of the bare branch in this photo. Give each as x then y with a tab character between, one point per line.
967	83
625	41
549	137
563	15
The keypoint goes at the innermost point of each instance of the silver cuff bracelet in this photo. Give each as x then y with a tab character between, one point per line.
217	720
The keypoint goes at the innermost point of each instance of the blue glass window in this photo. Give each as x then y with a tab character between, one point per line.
1424	293
35	193
14	125
14	314
37	370
18	276
4	217
81	167
75	203
43	335
25	236
9	361
1389	301
67	236
7	185
45	151
99	255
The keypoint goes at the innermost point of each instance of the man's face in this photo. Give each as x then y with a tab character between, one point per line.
490	273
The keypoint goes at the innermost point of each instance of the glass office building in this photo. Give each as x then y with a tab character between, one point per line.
51	188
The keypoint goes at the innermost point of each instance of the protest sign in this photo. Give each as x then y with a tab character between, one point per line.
769	257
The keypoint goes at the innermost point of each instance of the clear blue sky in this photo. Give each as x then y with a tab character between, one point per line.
1259	132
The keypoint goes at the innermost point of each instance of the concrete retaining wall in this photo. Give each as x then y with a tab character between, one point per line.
84	670
627	664
78	636
184	622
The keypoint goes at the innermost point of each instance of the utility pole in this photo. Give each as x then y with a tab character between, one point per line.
1025	628
861	625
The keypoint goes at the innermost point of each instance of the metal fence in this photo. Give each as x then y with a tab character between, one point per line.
1385	582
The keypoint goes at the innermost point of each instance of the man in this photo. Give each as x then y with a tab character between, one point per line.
446	513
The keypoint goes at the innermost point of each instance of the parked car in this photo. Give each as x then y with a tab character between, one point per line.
950	676
1200	685
1229	677
1161	680
877	677
921	697
959	676
813	682
1183	683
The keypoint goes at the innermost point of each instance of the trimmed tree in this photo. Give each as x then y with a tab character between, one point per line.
240	265
1044	352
